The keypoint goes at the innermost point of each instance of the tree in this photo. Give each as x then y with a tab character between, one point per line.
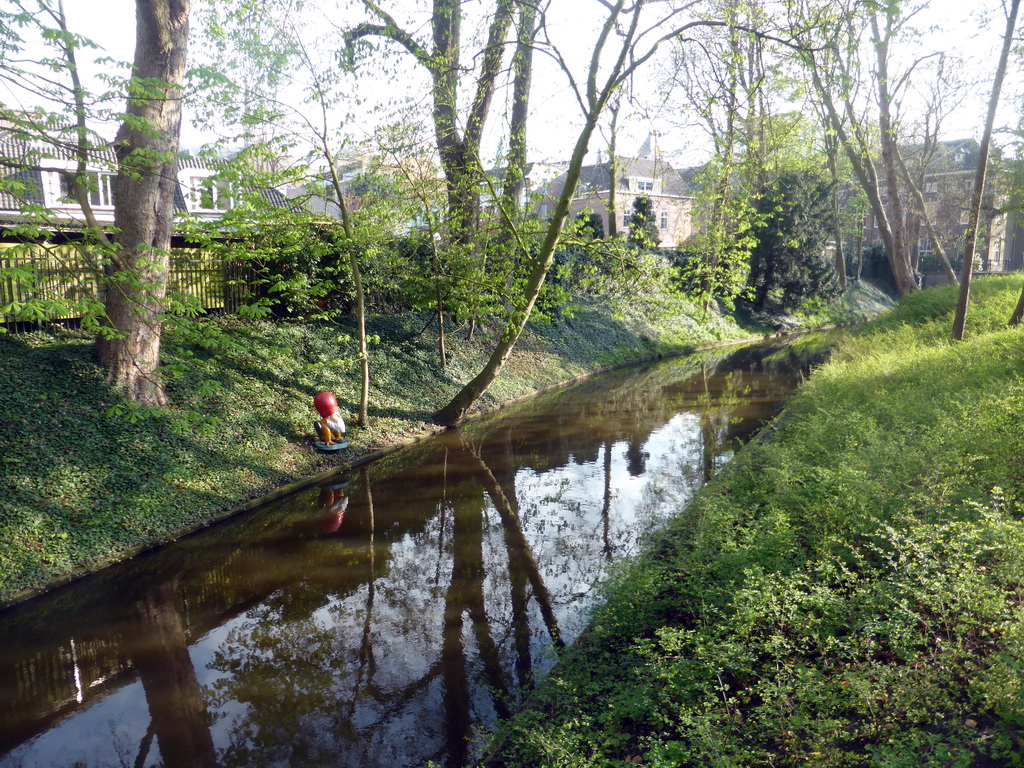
261	50
790	262
603	78
458	136
147	149
643	229
591	224
974	212
134	261
723	73
522	70
861	62
946	92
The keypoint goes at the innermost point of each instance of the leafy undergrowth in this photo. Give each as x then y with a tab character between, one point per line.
81	487
846	593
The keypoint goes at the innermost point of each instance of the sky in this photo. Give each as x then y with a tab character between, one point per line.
111	25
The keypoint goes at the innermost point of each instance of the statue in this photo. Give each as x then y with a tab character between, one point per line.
334	501
330	429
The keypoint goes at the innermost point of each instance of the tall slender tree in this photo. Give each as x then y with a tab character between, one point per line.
848	50
624	44
134	262
458	134
974	213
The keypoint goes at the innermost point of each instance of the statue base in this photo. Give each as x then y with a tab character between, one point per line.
320	445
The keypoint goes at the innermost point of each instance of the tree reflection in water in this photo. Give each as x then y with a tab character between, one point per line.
384	632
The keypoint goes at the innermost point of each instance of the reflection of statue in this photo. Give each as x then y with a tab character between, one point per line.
334	501
330	429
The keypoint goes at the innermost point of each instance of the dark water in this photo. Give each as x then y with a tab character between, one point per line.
384	623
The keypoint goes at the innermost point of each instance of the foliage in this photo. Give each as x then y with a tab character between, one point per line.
39	54
846	592
790	263
643	229
591	224
718	255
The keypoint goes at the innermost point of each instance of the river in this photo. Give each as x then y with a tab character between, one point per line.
387	616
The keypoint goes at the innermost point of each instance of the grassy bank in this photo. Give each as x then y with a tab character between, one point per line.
82	488
846	593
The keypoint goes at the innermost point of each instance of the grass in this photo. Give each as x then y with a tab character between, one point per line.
846	593
82	488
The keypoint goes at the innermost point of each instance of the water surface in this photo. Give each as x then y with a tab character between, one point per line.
385	617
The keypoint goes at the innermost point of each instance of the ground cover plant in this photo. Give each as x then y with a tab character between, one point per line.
88	477
846	593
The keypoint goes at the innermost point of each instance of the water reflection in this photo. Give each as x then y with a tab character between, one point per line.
383	617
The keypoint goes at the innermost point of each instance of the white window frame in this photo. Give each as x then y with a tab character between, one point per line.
197	183
664	221
57	191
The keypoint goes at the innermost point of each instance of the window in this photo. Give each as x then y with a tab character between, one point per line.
625	219
101	188
931	187
664	220
204	192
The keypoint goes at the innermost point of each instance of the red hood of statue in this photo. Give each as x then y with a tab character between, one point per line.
325	404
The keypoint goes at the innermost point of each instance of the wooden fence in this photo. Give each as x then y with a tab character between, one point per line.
65	273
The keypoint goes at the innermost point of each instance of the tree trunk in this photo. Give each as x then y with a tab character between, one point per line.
923	217
840	256
159	653
147	147
597	100
1018	312
357	283
459	150
456	410
522	69
971	235
896	238
613	175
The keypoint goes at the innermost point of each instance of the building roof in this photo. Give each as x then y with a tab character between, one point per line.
674	183
23	163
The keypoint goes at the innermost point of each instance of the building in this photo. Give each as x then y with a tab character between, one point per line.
42	227
946	183
671	192
36	178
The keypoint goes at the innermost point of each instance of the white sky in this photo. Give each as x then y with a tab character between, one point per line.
111	25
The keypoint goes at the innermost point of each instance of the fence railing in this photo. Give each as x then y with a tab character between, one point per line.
67	273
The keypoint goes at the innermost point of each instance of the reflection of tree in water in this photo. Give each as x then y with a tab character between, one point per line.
286	674
159	652
346	681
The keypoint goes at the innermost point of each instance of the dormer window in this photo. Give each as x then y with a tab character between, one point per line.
204	193
644	185
101	187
